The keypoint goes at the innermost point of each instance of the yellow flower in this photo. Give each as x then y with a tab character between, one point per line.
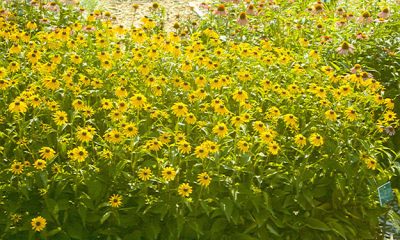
243	146
331	115
259	126
39	164
60	118
236	121
290	121
220	129
273	148
300	140
38	223
240	96
180	109
184	147
190	118
201	152
168	173
78	154
114	136
389	116
144	174
17	168
83	135
371	163
115	200
204	179
185	190
351	114
316	139
18	107
267	136
47	153
130	130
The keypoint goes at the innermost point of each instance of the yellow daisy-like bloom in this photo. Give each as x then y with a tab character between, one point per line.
168	173
190	118
106	104
60	118
180	109
115	200
273	112
185	190
240	96
243	146
267	136
39	164
351	114
220	129
274	148
316	140
390	116
300	140
17	168
371	163
201	152
38	223
138	100
78	154
165	138
144	173
259	126
211	146
47	153
130	130
290	121
236	121
154	145
204	179
18	107
114	136
184	147
220	109
83	135
331	115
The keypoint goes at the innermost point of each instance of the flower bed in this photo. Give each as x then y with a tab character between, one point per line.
260	122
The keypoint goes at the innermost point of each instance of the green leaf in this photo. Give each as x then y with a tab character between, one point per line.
105	217
242	236
272	230
53	232
218	225
338	229
227	208
317	224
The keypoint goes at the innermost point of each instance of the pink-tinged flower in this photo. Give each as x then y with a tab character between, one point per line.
251	10
340	23
345	48
232	1
89	28
357	68
385	13
318	8
365	18
340	11
242	20
380	20
349	16
204	6
361	36
52	6
221	11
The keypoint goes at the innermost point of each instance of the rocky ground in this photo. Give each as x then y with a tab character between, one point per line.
174	10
